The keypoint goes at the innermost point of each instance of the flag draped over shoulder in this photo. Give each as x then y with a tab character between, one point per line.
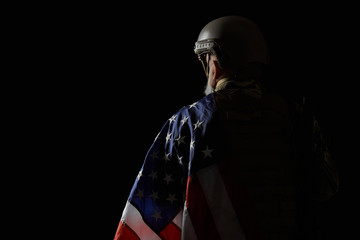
181	191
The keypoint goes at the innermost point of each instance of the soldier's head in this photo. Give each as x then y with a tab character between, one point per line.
230	46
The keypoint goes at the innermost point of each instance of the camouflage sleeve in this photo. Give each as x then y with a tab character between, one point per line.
328	178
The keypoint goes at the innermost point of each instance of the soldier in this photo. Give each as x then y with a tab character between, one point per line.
243	162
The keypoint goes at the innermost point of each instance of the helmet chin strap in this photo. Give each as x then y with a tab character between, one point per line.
207	71
205	64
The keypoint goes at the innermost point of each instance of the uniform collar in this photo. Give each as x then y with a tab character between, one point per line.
221	84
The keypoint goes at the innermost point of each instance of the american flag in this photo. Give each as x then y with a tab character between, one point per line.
183	189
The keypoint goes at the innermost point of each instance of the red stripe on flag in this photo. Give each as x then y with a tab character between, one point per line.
171	232
199	212
125	233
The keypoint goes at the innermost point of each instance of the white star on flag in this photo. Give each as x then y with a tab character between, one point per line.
168	137
171	198
168	178
153	175
207	152
140	194
139	175
197	124
154	155
156	215
192	144
192	105
166	157
180	140
172	119
180	160
154	195
184	120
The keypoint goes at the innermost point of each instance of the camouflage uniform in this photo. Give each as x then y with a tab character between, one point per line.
282	159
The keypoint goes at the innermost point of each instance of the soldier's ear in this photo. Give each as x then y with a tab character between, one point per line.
218	72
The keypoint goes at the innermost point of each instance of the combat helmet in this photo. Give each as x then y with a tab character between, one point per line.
235	40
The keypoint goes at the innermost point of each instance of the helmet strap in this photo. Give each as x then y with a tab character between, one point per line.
203	59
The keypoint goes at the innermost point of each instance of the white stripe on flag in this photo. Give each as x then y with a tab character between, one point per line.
226	221
133	219
188	232
178	219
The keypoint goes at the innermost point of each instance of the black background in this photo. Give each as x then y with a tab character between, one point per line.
105	78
